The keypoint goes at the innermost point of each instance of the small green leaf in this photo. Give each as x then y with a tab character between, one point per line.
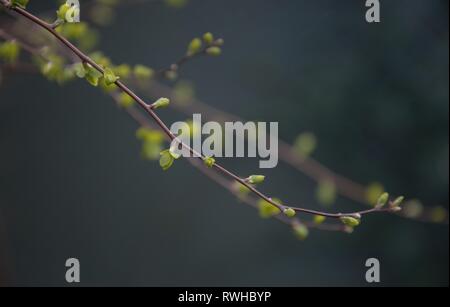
110	77
373	192
143	73
266	209
289	212
9	51
350	221
209	161
305	144
92	75
62	11
125	100
382	200
161	103
208	38
300	231
194	46
319	219
151	150
398	201
214	51
166	160
256	179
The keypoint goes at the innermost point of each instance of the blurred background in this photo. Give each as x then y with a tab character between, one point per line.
72	183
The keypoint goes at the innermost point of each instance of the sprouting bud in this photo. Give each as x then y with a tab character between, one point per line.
256	179
20	3
382	200
125	100
289	212
92	74
208	38
143	73
214	51
305	144
266	209
160	103
319	219
350	221
110	77
300	231
9	51
398	201
194	46
62	11
166	159
209	161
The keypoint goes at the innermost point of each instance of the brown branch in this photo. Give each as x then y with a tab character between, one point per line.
148	109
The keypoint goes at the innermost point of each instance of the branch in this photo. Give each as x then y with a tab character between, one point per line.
147	108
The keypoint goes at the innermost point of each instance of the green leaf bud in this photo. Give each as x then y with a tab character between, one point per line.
289	212
161	103
110	77
209	161
266	209
208	38
194	46
214	51
382	200
125	100
300	231
350	221
256	179
319	219
166	160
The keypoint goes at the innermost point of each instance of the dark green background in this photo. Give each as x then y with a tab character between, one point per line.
72	183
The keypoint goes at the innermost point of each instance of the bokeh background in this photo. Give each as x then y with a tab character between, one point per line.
72	183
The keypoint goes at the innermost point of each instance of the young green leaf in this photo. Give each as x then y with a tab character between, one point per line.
266	209
209	161
161	103
9	51
125	100
166	159
214	51
143	73
62	11
350	221
319	219
289	212
194	46
256	179
382	200
300	231
110	77
208	38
